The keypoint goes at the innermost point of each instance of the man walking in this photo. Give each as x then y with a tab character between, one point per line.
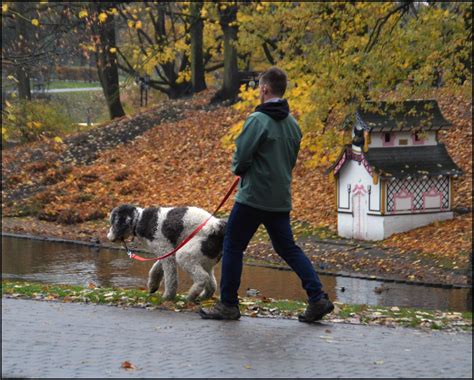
266	152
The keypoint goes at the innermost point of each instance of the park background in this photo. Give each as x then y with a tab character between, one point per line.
168	85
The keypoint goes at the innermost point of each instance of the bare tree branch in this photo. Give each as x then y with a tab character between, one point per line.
403	8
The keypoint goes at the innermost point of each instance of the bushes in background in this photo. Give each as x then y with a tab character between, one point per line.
25	121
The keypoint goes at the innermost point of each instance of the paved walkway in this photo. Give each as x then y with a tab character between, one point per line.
49	339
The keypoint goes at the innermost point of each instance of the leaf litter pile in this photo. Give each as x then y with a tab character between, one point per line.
181	161
256	307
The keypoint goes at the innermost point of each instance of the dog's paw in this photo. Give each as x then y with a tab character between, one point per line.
192	299
169	297
152	290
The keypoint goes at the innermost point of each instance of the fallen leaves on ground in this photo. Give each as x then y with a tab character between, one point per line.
127	365
183	163
258	307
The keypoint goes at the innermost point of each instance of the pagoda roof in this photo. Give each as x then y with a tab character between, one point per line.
432	160
402	162
410	115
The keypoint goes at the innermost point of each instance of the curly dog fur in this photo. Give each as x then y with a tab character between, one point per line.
162	229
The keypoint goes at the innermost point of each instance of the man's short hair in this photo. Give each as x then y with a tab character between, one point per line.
276	79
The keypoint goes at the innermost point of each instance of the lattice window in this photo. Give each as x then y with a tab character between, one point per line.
418	187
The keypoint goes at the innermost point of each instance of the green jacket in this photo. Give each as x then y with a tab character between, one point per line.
266	152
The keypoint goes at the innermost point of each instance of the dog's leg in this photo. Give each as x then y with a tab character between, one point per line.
210	287
155	276
200	281
171	278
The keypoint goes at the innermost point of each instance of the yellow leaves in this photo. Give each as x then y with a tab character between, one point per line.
83	13
183	76
35	22
58	140
113	50
229	138
4	8
135	24
88	47
181	45
11	77
33	124
102	17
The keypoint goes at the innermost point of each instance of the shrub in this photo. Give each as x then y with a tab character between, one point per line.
26	121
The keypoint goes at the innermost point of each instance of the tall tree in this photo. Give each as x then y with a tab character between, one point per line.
17	45
157	44
197	55
228	22
22	27
103	27
340	55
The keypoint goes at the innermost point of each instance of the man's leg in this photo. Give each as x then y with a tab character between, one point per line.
279	229
241	226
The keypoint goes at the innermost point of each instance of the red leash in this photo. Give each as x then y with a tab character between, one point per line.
191	235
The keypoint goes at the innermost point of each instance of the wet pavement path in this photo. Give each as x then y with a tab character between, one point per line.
49	339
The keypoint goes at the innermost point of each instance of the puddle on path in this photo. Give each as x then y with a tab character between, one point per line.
64	263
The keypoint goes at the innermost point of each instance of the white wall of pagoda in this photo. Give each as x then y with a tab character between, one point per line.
402	139
408	204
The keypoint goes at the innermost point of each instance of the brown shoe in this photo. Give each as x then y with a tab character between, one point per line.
316	310
220	311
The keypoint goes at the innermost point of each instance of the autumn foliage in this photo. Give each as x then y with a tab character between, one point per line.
186	163
338	55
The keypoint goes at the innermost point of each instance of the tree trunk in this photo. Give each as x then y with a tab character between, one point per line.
197	59
230	87
24	87
107	69
22	71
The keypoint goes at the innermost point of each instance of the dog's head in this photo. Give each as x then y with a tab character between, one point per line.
122	219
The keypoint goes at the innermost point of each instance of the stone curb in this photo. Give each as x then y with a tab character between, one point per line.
285	268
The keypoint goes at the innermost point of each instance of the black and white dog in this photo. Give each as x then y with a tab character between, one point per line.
162	229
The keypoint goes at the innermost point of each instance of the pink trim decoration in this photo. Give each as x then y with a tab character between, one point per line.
359	189
359	157
392	139
403	194
340	163
414	142
433	193
349	154
367	166
359	226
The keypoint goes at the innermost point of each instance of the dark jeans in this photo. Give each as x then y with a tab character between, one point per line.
242	225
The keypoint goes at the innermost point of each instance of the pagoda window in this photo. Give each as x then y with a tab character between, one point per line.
388	139
417	138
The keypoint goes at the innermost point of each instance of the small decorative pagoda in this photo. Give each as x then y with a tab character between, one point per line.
395	176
